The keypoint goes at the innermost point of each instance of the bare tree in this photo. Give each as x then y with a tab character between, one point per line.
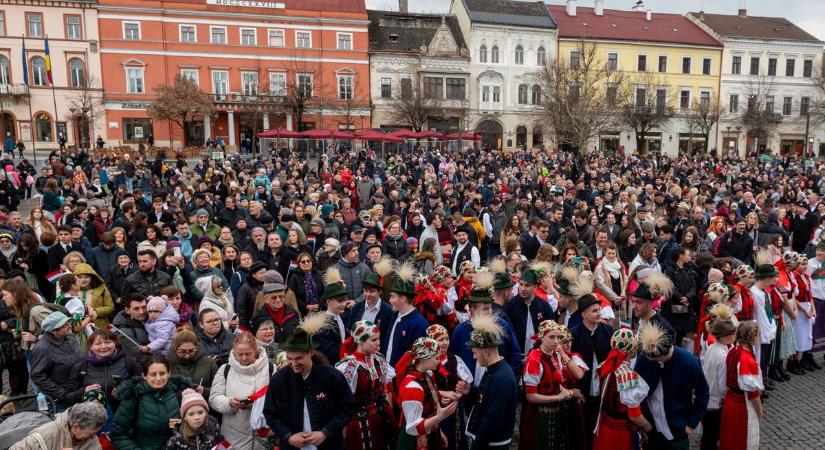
180	103
760	117
412	105
260	100
701	117
645	105
348	102
578	97
304	90
85	106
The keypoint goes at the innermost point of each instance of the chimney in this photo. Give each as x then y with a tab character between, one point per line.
639	6
649	15
598	8
702	16
571	8
402	6
743	12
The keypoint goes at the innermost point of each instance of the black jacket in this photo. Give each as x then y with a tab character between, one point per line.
245	303
587	344
735	245
147	283
100	372
132	328
219	346
396	248
328	398
52	363
298	287
493	415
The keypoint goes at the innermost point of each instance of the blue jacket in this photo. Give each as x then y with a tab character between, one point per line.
516	310
666	253
509	348
186	247
684	387
384	318
411	327
586	344
493	415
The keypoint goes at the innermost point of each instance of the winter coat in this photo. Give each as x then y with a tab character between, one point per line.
159	248
353	275
324	260
162	330
116	282
91	370
212	230
297	285
147	284
219	346
431	233
222	305
104	261
142	421
207	438
245	303
241	382
200	369
134	329
52	363
396	248
186	246
98	297
197	293
56	435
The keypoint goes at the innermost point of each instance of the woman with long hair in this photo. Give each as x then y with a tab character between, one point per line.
513	229
153	241
19	332
627	246
229	261
611	279
102	222
40	223
33	262
692	241
52	200
453	380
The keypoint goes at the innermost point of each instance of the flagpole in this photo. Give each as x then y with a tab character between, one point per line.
54	96
28	90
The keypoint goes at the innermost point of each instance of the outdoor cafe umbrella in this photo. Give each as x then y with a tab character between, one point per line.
279	133
465	136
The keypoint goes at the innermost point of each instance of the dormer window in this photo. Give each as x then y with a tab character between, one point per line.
394	38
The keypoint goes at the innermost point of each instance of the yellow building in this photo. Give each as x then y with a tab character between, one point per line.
665	59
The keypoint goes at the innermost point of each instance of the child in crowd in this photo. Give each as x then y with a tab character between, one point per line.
161	326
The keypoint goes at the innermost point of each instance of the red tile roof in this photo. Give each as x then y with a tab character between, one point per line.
348	6
630	26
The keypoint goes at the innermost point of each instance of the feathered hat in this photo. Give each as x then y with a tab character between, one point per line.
725	323
382	268
565	280
486	332
764	268
655	285
482	291
499	268
333	284
582	291
301	338
654	340
405	284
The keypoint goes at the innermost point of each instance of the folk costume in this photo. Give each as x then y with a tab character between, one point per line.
493	415
624	391
431	302
746	311
715	294
320	400
740	426
714	367
576	410
408	327
369	378
334	333
788	288
764	317
418	397
527	314
804	324
451	370
545	426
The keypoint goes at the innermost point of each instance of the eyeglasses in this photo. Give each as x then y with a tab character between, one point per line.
305	261
181	351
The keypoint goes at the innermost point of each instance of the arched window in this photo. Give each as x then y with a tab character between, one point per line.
77	73
521	136
5	73
541	57
494	55
519	55
39	71
522	94
43	123
482	54
536	94
538	137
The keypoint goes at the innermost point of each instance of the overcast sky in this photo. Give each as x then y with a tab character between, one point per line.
807	14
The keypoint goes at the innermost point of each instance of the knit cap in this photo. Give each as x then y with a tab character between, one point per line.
191	398
156	304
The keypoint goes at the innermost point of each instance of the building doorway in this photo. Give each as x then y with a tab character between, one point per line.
492	132
7	125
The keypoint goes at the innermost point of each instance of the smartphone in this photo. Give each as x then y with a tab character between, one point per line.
578	260
176	251
246	401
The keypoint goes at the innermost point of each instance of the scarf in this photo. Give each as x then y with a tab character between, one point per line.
613	268
278	316
309	289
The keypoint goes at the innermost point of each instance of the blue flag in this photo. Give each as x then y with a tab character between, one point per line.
25	65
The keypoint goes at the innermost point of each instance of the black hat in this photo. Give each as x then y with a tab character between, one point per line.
643	292
256	266
586	302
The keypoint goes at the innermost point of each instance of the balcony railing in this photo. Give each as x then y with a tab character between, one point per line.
239	99
14	89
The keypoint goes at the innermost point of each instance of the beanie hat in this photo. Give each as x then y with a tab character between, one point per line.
156	304
190	398
715	275
202	212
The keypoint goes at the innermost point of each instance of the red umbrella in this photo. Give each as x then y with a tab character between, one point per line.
374	135
279	133
465	136
342	135
424	134
316	134
403	133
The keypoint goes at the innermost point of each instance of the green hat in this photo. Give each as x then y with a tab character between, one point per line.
529	276
503	281
299	341
766	271
563	286
403	287
374	280
821	244
480	296
334	290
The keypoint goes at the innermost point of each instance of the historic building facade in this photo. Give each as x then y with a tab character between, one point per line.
68	105
424	52
509	43
769	65
662	55
264	63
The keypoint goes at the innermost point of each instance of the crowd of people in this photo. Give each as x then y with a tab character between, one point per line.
429	300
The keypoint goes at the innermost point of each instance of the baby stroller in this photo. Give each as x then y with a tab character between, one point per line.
22	418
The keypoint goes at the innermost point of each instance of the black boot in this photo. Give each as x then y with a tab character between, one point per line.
805	363
773	374
795	368
810	357
780	368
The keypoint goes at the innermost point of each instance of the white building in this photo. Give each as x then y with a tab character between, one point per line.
768	63
509	42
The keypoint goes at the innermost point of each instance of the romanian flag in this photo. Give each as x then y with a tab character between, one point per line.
48	62
25	65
